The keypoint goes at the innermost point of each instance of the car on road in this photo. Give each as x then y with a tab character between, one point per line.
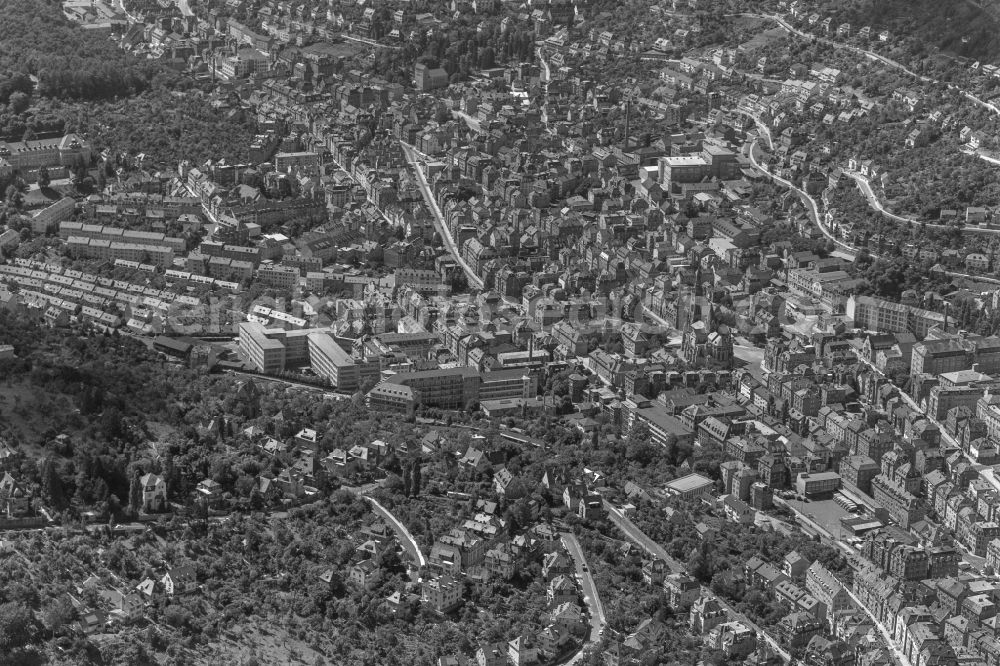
585	567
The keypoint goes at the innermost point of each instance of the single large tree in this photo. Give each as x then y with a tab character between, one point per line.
52	488
17	627
415	473
407	480
135	492
19	102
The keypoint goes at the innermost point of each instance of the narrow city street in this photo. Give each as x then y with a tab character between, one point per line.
587	586
440	223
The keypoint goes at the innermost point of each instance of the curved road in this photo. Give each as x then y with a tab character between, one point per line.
866	189
449	243
761	125
785	25
810	203
403	534
813	208
848	249
873	202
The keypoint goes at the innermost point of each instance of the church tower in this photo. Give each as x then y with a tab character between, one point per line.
700	307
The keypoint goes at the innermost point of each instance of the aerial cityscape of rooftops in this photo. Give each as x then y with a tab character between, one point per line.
489	332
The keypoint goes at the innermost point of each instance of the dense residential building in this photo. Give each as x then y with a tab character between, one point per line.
827	589
876	314
452	389
442	594
31	155
509	255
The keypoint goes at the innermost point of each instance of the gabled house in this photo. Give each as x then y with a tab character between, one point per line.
737	510
491	654
560	590
147	588
210	490
15	498
131	606
522	650
499	563
91	620
556	564
154	492
654	571
362	572
180	580
591	506
479	460
502	480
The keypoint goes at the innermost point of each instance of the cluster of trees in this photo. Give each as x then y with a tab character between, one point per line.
68	62
257	571
258	574
459	50
187	127
718	561
15	91
628	601
964	29
86	84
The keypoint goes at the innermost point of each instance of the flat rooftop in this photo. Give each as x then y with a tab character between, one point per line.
689	483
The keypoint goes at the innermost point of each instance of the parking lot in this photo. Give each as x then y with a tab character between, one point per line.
826	513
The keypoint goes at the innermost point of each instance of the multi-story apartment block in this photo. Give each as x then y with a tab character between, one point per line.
822	584
858	471
909	563
29	156
442	594
952	354
272	350
452	388
988	411
330	361
278	276
92	248
68	229
893	496
876	314
941	400
980	535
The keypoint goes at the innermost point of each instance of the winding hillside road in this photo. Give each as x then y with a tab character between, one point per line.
807	199
403	534
871	55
